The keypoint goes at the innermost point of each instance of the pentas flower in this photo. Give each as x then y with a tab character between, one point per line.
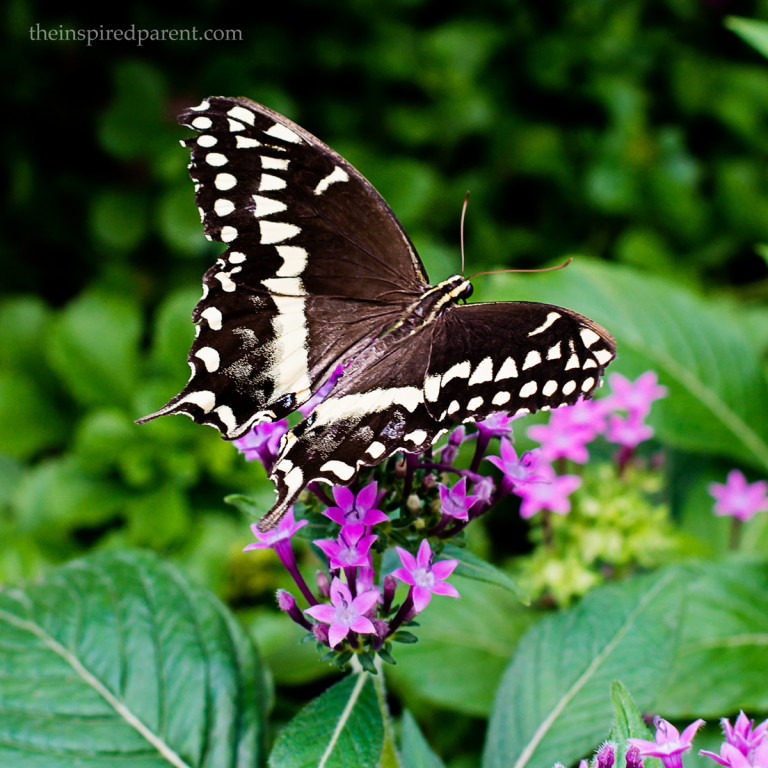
745	745
549	492
516	470
262	442
738	498
351	549
455	502
559	440
669	744
425	577
606	755
628	432
354	509
584	416
635	397
306	408
345	614
497	425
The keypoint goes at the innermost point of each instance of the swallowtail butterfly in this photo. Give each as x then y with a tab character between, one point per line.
318	272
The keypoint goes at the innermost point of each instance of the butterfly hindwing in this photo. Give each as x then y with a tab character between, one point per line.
512	356
317	265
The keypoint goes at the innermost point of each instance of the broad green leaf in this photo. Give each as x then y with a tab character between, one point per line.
718	396
473	637
342	727
473	567
723	640
752	31
115	660
628	723
93	347
415	751
553	702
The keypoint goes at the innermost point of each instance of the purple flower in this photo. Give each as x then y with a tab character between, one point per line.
628	432
586	416
345	614
306	408
350	549
733	757
606	755
633	759
425	577
451	448
559	439
262	442
670	743
522	470
635	397
355	510
549	492
738	498
745	745
497	425
278	538
454	501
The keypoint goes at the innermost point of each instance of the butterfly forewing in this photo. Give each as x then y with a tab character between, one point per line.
316	266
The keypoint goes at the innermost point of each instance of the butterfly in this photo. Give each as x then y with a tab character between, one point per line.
319	275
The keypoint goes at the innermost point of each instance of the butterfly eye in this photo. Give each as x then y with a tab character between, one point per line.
467	292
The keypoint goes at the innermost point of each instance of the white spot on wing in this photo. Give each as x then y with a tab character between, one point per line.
202	106
375	449
587	384
457	371
500	398
245	142
588	336
273	232
227	416
603	355
270	183
203	399
265	206
235	125
285	286
339	468
589	363
241	113
279	131
549	388
337	175
202	123
483	372
223	207
553	353
531	359
360	404
274	163
507	371
569	387
551	317
235	257
213	317
294	260
227	284
528	389
206	140
453	407
224	181
210	358
228	234
474	403
417	437
216	159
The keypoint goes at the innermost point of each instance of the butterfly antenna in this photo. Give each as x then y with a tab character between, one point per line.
540	269
461	236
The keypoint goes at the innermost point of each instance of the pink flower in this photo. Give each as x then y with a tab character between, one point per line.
522	470
425	577
738	498
351	549
262	442
628	432
586	416
550	492
354	510
345	614
670	743
745	745
560	440
276	538
733	757
454	501
635	397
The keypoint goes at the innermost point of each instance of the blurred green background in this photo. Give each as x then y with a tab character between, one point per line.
633	131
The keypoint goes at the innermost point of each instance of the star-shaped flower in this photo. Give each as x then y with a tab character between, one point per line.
425	577
345	614
454	501
522	470
550	492
262	442
355	510
635	397
738	498
670	743
350	550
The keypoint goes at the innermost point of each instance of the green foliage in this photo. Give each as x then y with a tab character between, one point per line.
124	641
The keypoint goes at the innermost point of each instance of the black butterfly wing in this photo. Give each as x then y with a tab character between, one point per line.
317	265
510	357
412	385
376	409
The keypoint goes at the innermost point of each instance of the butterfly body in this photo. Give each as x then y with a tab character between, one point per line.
319	274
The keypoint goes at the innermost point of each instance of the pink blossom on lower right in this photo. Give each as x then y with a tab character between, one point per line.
738	498
669	744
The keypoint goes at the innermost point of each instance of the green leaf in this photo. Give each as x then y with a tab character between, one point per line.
93	347
415	751
718	394
553	700
627	718
341	727
116	660
723	640
750	30
473	637
473	567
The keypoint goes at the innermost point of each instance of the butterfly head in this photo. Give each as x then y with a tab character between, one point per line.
456	287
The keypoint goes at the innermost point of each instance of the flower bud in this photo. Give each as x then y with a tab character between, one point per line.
320	631
633	758
323	585
606	755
